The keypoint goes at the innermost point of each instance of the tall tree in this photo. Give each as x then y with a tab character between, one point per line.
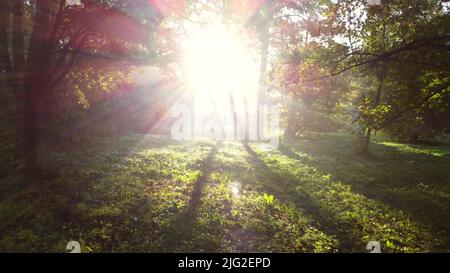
63	34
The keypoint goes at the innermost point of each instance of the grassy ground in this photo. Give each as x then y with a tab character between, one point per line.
147	194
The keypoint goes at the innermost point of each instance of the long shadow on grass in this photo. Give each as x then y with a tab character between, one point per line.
283	187
178	235
397	190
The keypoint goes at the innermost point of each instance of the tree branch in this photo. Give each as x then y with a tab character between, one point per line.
438	89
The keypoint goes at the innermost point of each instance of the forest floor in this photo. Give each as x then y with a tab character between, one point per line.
149	194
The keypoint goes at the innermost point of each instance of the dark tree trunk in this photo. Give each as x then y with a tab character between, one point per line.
30	120
413	138
18	80
366	141
29	81
5	62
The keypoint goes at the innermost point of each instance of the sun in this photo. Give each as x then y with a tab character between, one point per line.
217	64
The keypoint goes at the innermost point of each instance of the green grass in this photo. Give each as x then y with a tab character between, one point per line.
411	178
148	194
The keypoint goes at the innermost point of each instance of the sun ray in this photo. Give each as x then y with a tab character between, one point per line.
218	65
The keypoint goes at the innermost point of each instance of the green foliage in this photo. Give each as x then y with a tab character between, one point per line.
268	199
383	67
313	195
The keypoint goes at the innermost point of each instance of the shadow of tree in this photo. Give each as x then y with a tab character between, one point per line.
283	187
178	235
393	178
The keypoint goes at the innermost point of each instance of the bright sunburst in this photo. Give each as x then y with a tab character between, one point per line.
217	64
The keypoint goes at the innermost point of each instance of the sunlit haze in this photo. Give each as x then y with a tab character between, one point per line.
217	64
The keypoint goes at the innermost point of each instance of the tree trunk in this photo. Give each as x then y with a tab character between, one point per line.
5	62
413	138
366	142
234	115
30	119
291	126
262	89
30	79
17	81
